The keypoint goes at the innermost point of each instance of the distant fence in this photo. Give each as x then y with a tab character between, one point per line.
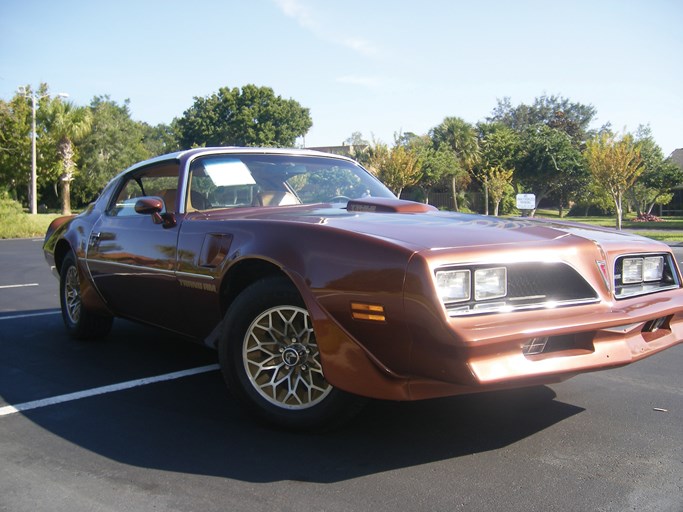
444	200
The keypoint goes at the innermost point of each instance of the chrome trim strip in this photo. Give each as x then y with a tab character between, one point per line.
644	292
526	307
152	269
197	276
623	329
130	266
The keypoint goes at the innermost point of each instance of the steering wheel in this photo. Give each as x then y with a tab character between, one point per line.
338	199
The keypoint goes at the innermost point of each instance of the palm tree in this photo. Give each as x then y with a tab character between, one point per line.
67	124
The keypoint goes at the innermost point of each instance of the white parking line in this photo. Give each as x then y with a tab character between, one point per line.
36	404
17	285
28	315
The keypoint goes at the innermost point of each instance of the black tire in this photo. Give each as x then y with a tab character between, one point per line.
270	360
80	323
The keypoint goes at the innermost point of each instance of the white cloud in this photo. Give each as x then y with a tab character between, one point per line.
301	13
298	11
361	46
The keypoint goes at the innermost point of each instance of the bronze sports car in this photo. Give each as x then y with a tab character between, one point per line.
318	287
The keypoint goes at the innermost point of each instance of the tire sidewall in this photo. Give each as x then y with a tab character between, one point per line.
89	325
252	302
72	327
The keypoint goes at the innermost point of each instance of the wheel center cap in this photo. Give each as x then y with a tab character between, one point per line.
294	355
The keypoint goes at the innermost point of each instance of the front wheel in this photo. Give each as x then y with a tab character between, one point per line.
270	359
80	322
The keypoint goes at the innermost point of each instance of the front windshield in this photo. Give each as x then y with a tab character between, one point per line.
227	181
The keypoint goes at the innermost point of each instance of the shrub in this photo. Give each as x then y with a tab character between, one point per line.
17	224
647	217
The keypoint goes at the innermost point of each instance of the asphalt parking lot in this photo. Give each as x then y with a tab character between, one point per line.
141	421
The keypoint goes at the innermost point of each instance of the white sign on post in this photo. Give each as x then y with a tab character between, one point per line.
526	201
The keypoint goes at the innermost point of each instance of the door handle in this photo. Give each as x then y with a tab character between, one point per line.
94	239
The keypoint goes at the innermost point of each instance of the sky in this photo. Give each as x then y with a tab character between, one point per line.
378	67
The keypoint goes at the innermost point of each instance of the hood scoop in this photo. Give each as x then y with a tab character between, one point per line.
387	205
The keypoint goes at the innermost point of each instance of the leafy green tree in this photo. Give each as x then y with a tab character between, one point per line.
594	200
440	166
15	147
660	175
359	148
398	167
114	143
16	141
499	150
356	139
550	163
159	139
251	116
616	164
436	165
66	124
460	137
498	182
553	111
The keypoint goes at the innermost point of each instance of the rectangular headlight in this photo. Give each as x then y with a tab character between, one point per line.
653	268
490	283
453	285
632	271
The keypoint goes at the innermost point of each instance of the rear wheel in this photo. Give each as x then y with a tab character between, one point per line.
80	323
271	361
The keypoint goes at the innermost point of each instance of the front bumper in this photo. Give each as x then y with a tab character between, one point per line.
570	354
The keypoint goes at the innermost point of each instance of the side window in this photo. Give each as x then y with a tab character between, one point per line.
160	181
124	205
202	192
165	187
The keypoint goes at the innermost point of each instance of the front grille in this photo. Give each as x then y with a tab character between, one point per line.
529	286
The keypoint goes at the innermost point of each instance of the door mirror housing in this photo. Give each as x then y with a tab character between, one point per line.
153	206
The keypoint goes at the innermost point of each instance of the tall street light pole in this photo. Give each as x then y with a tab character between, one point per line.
34	174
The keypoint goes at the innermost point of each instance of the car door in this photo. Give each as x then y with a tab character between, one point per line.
131	258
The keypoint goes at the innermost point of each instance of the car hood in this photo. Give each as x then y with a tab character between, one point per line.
421	227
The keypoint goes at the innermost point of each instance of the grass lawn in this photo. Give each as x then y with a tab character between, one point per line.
25	225
15	223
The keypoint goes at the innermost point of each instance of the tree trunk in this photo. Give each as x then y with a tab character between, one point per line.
486	199
652	205
455	194
66	196
617	204
66	151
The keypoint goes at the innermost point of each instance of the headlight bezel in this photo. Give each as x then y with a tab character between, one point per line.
484	280
455	279
644	273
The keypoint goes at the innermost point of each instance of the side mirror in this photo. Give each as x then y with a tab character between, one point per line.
154	206
149	206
